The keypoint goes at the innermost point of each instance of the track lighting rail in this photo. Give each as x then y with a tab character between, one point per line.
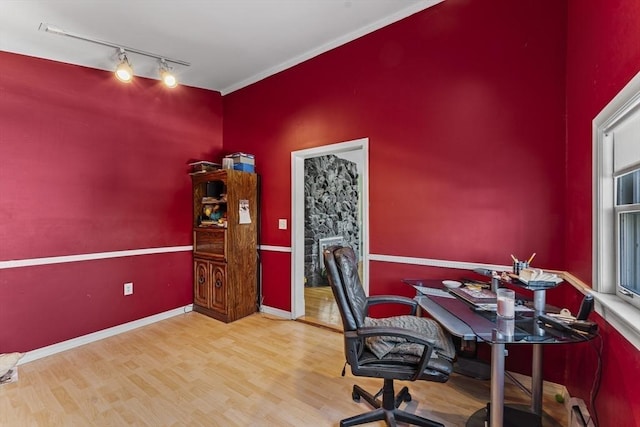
55	30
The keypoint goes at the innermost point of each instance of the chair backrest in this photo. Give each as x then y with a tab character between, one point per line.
342	271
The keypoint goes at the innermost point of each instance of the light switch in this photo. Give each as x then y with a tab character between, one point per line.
128	288
282	224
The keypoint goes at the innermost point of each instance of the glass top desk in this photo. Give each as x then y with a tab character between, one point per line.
470	323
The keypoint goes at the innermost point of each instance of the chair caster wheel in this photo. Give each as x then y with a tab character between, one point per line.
404	394
355	396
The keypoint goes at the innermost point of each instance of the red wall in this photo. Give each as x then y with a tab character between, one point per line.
603	54
463	105
471	159
87	165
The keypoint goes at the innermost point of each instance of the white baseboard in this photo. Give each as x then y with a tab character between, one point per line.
275	311
105	333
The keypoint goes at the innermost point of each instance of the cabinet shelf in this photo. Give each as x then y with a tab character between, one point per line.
213	201
211	224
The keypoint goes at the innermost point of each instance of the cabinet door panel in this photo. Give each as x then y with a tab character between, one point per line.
218	274
201	284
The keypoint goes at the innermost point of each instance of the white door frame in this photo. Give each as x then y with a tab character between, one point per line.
297	215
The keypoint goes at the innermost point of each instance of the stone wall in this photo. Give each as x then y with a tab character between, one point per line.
331	209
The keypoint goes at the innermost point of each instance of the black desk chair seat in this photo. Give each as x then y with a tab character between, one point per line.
354	305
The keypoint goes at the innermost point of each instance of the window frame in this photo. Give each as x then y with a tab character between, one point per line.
621	291
616	307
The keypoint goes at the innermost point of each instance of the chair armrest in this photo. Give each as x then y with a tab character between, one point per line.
393	299
411	336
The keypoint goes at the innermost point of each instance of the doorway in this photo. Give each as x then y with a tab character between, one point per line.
320	298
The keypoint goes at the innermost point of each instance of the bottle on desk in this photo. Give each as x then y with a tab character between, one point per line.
495	283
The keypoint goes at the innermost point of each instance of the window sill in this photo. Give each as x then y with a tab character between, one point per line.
619	314
614	310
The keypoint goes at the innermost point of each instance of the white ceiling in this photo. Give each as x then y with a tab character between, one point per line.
229	43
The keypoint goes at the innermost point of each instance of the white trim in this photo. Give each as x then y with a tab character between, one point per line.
30	262
624	317
602	151
437	263
270	248
408	11
616	311
297	215
105	333
275	312
430	262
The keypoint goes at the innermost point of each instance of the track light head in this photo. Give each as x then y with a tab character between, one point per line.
124	72
166	76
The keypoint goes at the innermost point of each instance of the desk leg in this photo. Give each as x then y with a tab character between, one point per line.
497	385
539	302
536	380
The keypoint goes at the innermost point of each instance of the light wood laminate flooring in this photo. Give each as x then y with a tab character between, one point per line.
191	370
320	308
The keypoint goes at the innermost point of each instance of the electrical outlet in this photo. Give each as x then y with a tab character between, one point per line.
282	224
128	288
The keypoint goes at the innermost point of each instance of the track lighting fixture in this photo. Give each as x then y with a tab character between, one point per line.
167	78
124	70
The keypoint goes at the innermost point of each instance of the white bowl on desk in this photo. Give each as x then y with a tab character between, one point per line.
451	284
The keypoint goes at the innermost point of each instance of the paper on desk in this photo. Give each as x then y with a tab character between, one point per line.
494	307
537	275
433	291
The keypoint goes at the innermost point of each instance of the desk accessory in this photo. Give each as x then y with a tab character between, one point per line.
528	275
495	283
554	323
519	308
474	296
518	265
584	326
574	327
451	284
483	272
585	307
424	290
537	279
506	299
476	282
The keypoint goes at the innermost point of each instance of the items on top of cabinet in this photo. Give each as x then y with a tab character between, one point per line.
241	161
203	166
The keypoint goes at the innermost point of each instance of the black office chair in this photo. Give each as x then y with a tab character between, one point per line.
362	341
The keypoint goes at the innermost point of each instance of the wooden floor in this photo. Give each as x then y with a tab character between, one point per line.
191	370
320	308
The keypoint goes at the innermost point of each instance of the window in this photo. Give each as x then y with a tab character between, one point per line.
616	222
627	211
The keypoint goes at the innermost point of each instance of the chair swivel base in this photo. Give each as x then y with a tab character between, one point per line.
386	410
